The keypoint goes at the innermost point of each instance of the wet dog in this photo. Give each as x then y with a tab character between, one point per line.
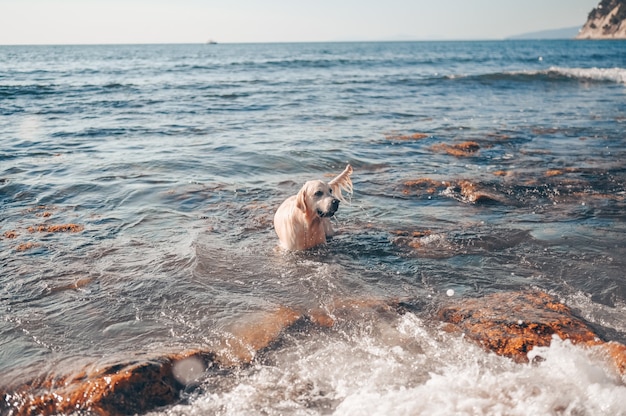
303	221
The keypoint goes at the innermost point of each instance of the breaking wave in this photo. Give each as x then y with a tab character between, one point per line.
413	370
616	75
554	74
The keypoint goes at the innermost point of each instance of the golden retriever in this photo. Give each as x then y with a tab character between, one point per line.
303	221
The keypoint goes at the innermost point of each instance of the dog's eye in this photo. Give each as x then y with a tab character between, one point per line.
318	193
331	191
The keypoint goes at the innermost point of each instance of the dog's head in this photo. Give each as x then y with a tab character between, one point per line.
316	199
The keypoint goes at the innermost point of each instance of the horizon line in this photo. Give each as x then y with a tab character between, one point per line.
215	43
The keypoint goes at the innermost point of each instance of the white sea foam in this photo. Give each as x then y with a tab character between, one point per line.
597	313
404	367
617	75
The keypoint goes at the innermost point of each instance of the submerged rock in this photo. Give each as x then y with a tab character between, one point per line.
145	382
510	324
406	137
464	149
58	228
513	323
122	388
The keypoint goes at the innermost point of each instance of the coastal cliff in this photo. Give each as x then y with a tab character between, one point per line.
607	21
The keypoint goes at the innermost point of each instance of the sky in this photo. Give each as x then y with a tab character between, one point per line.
226	21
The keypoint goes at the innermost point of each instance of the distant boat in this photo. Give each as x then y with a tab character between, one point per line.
211	42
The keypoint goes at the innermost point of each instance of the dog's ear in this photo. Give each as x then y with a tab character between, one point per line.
301	200
342	183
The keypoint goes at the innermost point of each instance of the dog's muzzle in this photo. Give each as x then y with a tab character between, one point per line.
333	208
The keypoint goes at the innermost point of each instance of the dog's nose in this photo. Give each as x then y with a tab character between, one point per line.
335	204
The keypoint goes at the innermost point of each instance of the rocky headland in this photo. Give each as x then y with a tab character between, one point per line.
606	21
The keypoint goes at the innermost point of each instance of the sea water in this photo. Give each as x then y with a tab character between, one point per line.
171	160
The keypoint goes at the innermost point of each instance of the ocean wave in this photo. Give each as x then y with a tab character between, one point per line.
12	91
412	370
43	90
554	74
306	62
616	75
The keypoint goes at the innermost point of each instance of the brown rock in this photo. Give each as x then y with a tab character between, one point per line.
559	172
466	190
511	324
414	136
10	234
254	335
617	352
115	389
458	150
413	233
26	246
474	194
412	239
321	318
80	283
145	383
427	185
60	228
554	172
